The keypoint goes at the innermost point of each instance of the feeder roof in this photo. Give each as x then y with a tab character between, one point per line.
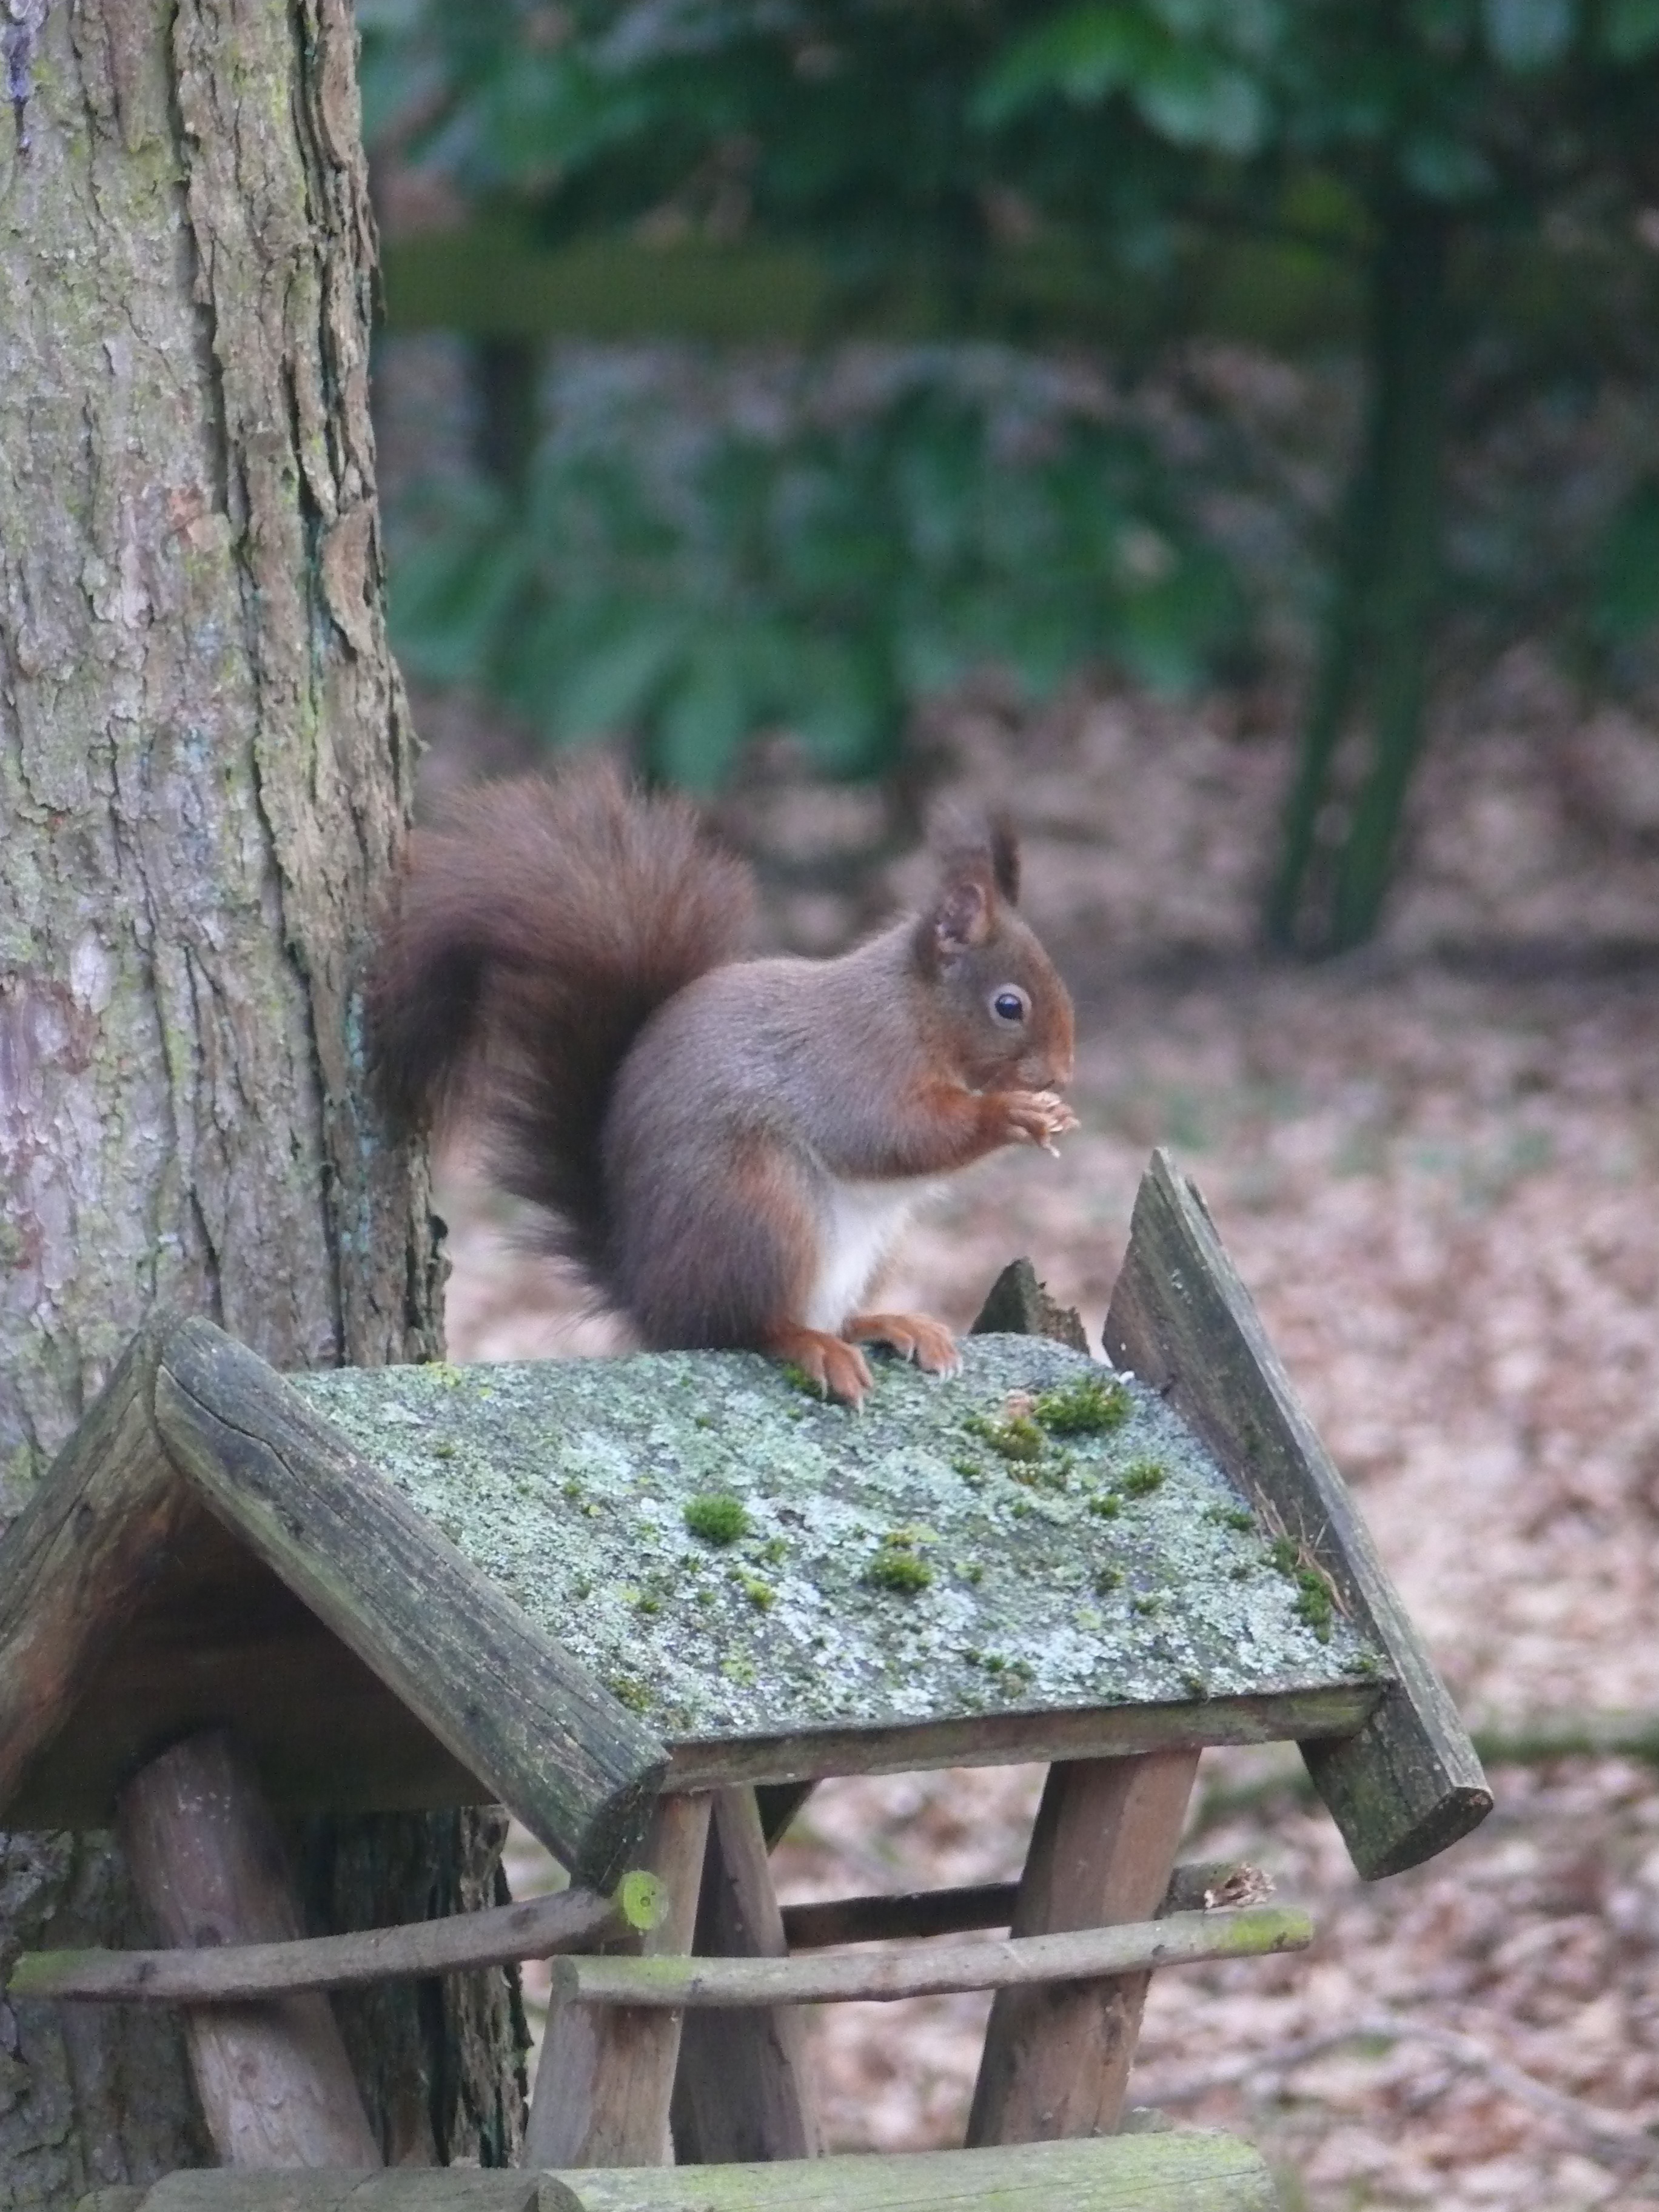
564	1585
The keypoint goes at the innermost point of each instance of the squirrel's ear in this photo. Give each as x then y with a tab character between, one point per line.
979	866
972	843
962	915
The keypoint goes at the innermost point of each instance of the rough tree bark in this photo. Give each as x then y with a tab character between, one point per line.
205	764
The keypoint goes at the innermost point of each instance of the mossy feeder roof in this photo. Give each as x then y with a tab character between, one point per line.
1117	1568
569	1585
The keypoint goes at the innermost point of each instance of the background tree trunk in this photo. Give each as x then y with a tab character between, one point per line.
206	764
1372	681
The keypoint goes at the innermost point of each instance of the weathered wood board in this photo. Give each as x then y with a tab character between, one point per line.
553	1745
1410	1781
1181	2170
194	1433
1118	1570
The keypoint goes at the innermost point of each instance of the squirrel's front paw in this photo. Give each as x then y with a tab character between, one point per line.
1038	1117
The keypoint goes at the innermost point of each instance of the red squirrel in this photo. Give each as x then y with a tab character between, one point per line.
726	1146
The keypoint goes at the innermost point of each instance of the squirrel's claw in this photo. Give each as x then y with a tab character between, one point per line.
1038	1117
914	1336
838	1369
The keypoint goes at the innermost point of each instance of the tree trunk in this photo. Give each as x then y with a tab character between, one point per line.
205	764
1338	842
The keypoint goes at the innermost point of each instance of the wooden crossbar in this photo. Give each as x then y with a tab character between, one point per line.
534	1928
1199	1885
236	1972
904	1970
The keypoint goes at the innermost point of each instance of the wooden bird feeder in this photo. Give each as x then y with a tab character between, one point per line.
646	1604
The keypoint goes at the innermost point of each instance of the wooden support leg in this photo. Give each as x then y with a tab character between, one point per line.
1056	2060
779	1802
276	2085
607	2071
742	2092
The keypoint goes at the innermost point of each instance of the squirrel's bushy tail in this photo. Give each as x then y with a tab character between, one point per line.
535	935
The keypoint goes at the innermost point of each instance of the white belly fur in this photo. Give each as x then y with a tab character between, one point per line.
860	1227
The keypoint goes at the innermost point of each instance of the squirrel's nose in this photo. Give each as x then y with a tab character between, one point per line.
1047	1070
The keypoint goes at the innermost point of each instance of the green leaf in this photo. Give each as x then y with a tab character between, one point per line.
1529	35
1194	99
1630	29
449	599
1084	54
845	706
613	684
1626	602
706	718
1443	168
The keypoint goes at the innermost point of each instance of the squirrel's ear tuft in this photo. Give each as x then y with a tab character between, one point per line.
1004	842
967	843
979	869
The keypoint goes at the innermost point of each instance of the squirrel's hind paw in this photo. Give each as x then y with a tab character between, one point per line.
839	1370
914	1336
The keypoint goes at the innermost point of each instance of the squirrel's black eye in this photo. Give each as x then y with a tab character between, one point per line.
1009	1004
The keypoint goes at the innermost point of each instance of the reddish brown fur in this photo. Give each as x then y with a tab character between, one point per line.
705	1132
536	935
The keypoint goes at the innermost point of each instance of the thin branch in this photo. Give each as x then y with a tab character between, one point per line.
536	1929
910	1969
1534	1741
1614	2137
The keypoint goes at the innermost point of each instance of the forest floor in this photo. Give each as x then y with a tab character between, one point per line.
1436	1166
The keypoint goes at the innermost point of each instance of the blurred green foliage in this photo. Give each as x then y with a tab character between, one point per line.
695	582
1625	606
917	146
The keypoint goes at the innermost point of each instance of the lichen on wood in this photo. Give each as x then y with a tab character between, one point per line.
568	1483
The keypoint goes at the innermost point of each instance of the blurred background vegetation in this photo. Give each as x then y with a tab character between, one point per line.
826	352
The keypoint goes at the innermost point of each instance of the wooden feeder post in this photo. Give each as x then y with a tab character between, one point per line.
606	2076
1057	2060
744	2089
276	2085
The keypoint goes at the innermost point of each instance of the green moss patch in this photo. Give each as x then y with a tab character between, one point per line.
898	1565
1014	1435
1092	1406
716	1517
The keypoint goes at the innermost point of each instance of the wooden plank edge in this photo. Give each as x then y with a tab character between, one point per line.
343	2189
74	1562
1017	1736
1408	1781
1019	1304
906	1970
1181	2170
1177	2170
230	1422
